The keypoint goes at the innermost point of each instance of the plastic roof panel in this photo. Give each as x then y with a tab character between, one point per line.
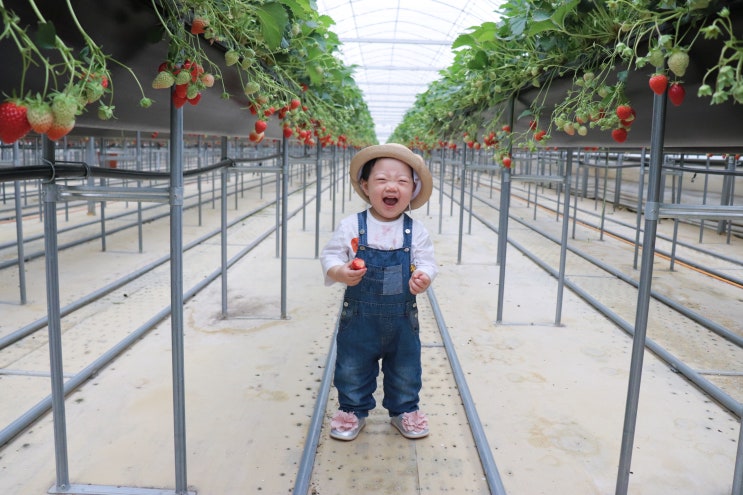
400	49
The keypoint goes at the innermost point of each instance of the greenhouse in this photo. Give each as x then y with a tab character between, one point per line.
207	207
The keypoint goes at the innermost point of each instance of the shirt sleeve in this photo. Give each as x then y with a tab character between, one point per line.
423	255
338	250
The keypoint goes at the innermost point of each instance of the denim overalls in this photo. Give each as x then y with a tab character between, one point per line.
379	320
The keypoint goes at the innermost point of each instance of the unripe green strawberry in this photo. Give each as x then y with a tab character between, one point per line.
93	92
192	91
40	115
65	108
252	87
678	61
163	80
655	57
231	57
105	112
183	77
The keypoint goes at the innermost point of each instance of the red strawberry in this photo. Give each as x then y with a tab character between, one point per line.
178	100
507	162
294	104
624	112
506	128
198	24
619	135
658	83
181	90
13	122
260	126
357	264
195	99
288	132
676	93
256	137
539	135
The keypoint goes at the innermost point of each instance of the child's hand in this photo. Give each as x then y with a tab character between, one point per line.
419	282
346	274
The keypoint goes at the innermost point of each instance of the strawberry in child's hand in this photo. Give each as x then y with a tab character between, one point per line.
658	83
676	93
357	264
13	121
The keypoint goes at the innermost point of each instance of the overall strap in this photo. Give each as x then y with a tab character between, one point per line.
361	216
407	231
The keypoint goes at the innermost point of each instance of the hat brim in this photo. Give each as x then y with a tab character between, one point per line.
399	152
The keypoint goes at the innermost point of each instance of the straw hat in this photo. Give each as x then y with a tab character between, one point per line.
421	174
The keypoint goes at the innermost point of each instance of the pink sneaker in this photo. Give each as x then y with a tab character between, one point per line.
411	424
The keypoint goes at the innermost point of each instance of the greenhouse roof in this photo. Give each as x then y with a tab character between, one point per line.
400	47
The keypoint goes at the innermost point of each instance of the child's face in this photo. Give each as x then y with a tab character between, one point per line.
390	188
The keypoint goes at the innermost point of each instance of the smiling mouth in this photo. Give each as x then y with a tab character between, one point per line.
390	201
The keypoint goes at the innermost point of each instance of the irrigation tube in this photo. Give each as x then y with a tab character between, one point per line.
731	404
692	315
302	484
74	306
481	441
35	412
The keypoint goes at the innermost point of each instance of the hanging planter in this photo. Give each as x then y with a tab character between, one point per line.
569	66
119	61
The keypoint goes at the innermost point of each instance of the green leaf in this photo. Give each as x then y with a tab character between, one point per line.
46	35
315	73
273	20
541	26
464	40
300	8
479	61
563	10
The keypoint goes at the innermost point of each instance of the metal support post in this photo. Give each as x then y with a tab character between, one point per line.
54	322
643	295
176	296
284	221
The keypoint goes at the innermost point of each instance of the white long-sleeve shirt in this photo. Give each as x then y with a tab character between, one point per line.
380	235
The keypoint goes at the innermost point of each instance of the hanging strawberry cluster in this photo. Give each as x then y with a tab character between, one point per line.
188	78
54	115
